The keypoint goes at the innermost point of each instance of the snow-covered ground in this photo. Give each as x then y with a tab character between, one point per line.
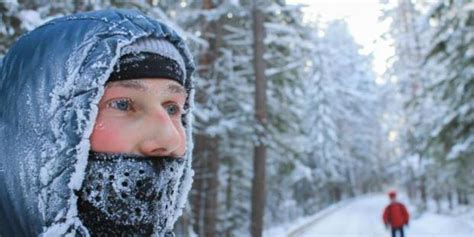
363	218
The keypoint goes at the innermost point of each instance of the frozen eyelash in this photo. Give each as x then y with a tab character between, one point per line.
114	104
119	100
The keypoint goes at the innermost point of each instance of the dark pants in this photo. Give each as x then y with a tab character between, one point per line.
395	230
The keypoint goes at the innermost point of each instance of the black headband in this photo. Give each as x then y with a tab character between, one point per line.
146	65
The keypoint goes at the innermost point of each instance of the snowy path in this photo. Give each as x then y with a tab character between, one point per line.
362	218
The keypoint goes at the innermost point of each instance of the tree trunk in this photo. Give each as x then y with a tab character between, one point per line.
260	152
210	212
199	190
207	147
465	199
459	196
204	197
437	198
450	200
229	193
424	198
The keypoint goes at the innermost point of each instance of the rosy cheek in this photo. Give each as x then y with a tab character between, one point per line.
108	136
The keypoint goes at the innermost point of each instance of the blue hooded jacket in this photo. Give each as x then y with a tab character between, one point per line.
50	83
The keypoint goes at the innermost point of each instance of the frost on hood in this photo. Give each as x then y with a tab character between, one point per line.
48	98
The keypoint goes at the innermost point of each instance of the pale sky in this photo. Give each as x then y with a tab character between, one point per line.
362	18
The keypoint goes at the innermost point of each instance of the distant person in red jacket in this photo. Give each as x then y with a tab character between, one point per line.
395	215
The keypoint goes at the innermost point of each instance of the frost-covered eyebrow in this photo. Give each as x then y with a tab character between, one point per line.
132	84
177	89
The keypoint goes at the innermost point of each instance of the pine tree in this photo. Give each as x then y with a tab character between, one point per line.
434	67
449	65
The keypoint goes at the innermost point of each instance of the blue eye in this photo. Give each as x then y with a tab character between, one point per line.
173	109
121	104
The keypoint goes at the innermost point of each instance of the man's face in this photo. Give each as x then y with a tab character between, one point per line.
141	117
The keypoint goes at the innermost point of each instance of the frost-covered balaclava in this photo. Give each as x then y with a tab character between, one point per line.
128	194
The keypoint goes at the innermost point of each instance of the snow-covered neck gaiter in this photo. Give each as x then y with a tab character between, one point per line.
128	195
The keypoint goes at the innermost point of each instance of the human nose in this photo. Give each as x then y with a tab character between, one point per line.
162	136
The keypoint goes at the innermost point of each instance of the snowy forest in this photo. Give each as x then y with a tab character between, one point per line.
290	117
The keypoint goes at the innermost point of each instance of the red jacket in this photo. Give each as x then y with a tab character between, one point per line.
396	215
